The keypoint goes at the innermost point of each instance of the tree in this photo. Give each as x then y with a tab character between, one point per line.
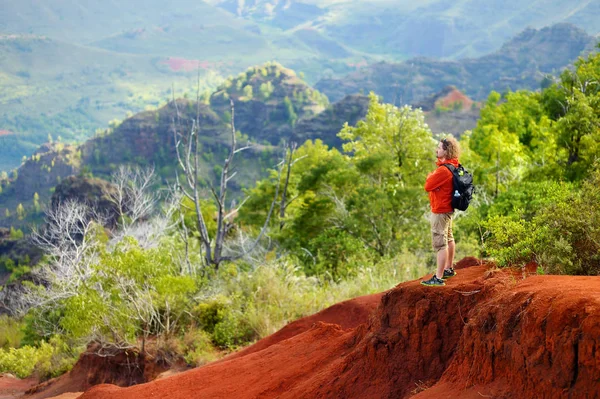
391	145
265	90
69	238
20	211
374	195
499	142
187	147
248	92
36	202
290	114
579	128
133	197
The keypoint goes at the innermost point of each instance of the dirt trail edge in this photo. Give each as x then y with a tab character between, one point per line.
487	333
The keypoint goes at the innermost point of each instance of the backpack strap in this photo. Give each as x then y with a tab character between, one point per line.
450	167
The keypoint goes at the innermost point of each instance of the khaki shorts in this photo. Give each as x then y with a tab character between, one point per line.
441	230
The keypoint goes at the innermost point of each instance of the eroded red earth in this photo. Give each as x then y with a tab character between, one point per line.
487	333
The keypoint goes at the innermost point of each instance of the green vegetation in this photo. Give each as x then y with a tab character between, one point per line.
535	156
344	224
124	292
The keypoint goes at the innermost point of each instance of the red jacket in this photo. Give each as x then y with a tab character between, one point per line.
439	186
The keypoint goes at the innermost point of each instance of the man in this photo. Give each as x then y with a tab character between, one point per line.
440	187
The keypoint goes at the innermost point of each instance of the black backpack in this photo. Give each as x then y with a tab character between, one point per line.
463	187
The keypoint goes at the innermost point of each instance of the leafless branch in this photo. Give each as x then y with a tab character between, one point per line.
187	155
133	196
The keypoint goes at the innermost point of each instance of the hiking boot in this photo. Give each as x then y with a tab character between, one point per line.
433	282
449	273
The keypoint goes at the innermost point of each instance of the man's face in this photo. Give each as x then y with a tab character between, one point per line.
440	152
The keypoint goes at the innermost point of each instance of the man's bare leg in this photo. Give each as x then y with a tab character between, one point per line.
450	257
442	257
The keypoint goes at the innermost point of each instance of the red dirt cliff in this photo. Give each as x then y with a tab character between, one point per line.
488	333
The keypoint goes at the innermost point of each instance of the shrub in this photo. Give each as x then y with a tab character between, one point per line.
11	332
196	347
338	254
561	234
48	360
233	330
209	314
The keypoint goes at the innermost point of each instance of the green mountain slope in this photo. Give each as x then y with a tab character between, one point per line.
49	87
98	61
84	22
281	107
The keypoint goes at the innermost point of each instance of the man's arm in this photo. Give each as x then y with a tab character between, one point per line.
436	179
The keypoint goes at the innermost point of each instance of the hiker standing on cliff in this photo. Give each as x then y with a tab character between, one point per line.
440	187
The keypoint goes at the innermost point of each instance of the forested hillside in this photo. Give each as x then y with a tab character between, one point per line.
272	106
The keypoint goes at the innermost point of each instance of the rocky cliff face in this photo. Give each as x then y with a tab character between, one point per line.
327	124
97	193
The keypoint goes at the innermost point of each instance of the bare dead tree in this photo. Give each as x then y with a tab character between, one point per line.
71	248
66	238
133	197
187	149
148	232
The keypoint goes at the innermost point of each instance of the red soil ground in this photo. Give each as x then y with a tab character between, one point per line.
182	64
347	314
487	333
12	387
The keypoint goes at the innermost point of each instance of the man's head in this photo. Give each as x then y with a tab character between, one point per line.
448	148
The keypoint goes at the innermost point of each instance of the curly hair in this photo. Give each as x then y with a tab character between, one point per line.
451	147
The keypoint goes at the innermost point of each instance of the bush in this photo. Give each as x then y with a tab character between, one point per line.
20	362
561	234
209	314
511	241
196	347
11	332
233	330
48	360
338	254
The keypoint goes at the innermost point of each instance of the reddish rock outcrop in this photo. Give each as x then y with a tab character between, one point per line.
121	368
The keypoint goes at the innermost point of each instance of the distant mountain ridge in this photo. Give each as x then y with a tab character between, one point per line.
519	64
400	28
